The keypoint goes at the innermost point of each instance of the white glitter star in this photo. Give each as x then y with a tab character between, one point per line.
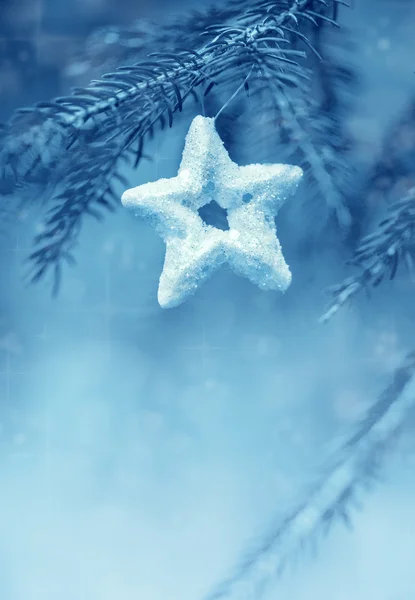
251	194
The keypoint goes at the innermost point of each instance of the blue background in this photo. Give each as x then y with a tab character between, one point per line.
143	450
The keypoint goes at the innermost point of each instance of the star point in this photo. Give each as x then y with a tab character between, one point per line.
252	196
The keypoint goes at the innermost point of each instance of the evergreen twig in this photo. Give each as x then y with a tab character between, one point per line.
122	109
355	469
378	255
390	182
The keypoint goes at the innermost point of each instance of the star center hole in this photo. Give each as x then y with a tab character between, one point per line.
214	215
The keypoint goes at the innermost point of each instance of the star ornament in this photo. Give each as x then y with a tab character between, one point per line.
252	196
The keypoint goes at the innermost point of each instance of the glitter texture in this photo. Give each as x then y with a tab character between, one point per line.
252	196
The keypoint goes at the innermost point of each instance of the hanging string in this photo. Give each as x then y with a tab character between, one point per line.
234	94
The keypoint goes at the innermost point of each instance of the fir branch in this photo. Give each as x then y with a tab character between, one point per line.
390	182
64	219
129	83
379	253
354	470
124	106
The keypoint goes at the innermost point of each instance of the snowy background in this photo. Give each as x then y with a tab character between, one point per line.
142	450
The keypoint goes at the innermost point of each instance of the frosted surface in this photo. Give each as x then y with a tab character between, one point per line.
252	196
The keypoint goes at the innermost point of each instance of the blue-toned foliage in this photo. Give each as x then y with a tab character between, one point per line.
352	471
390	183
77	143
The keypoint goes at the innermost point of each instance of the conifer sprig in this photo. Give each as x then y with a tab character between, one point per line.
127	106
379	254
355	468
